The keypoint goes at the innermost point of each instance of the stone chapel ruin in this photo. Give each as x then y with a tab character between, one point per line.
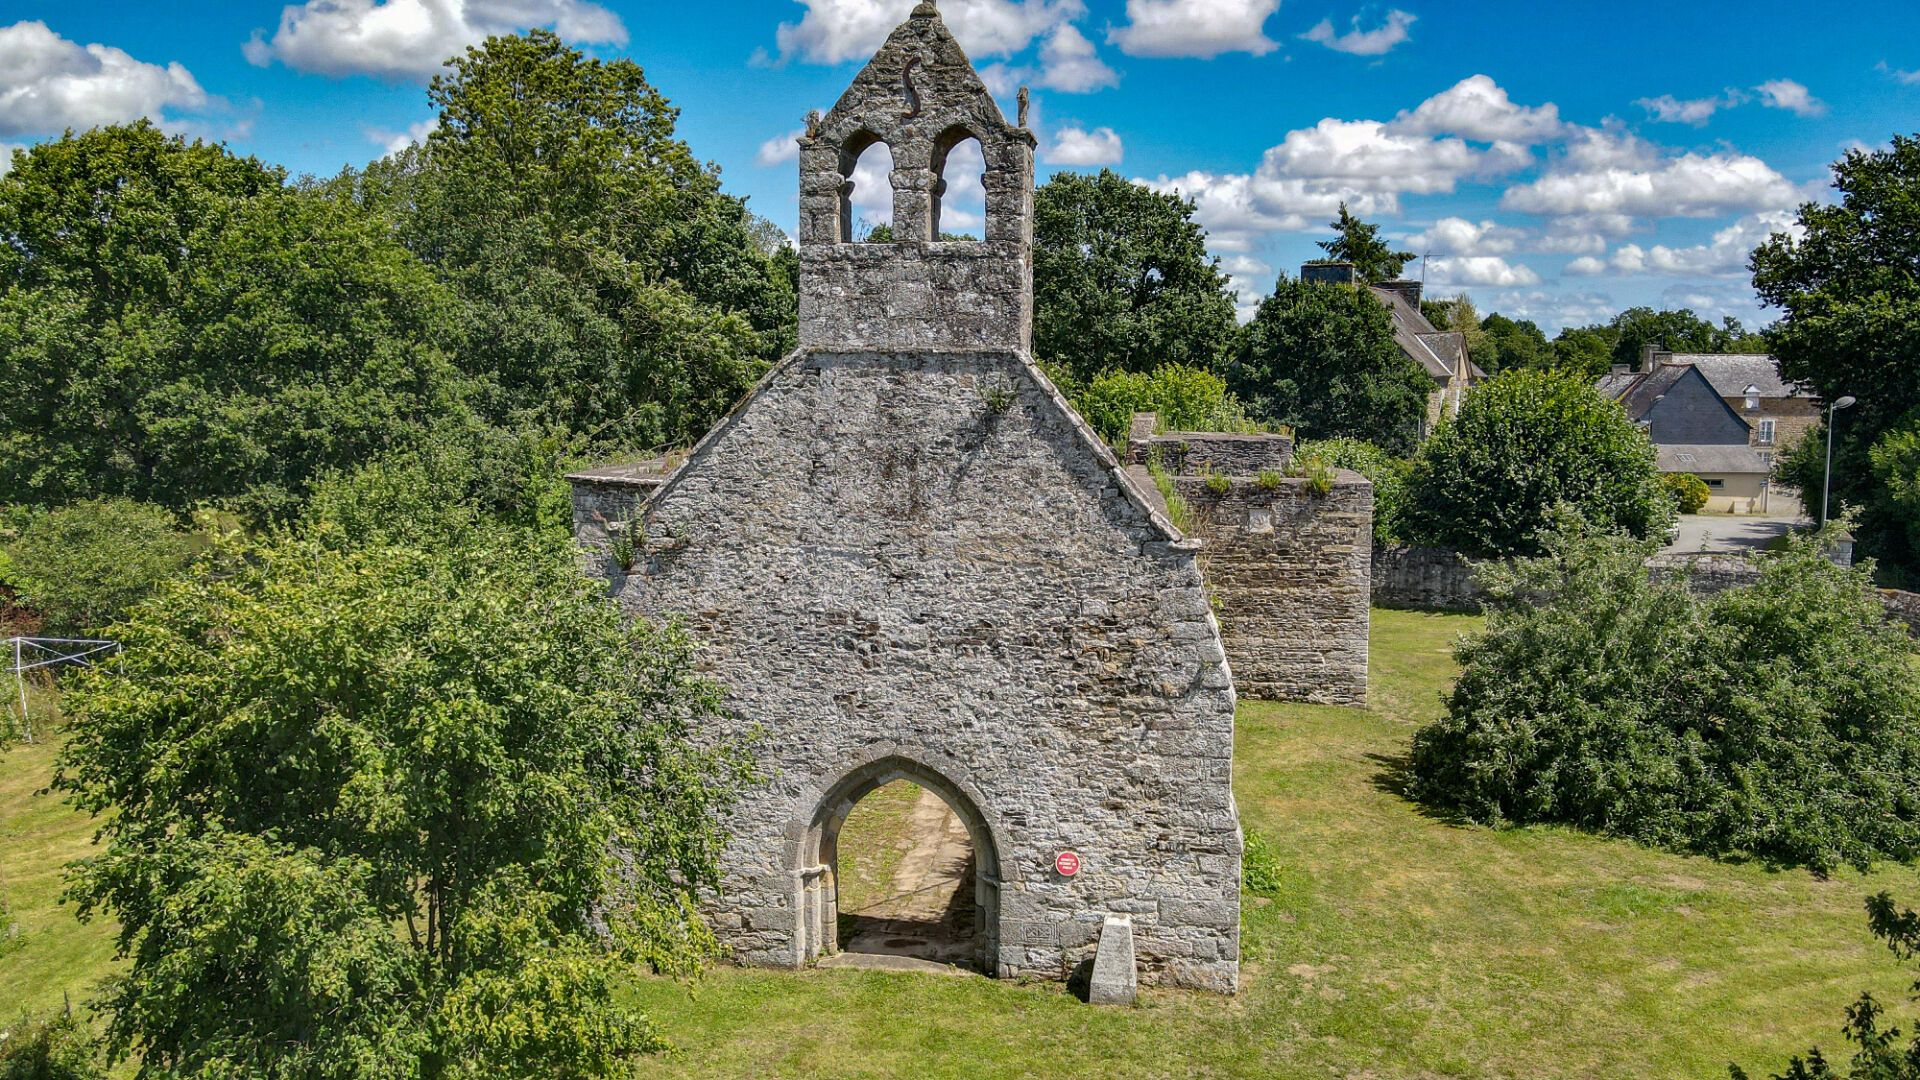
906	556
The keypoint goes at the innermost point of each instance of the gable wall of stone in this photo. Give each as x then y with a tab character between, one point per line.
925	554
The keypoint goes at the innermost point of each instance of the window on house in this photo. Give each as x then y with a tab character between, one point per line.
1716	485
1753	398
1766	432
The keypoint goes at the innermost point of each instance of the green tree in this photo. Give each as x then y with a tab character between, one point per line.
608	286
1525	444
178	326
1187	399
1678	331
392	811
1322	358
1512	343
1459	316
1690	493
1387	473
1122	280
1849	289
84	565
1780	720
1585	351
1358	242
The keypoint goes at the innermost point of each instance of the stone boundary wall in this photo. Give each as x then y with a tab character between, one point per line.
1185	453
1424	578
1437	579
1288	571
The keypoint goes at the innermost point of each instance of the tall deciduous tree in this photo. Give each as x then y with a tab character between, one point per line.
393	811
1511	343
176	325
609	285
1525	444
1322	357
1678	331
1850	290
1122	280
1358	242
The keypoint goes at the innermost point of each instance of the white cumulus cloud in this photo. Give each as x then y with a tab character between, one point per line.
1458	236
1726	256
1612	174
1480	270
1077	146
836	31
48	84
1069	63
1478	108
1196	28
392	142
779	149
1668	109
1791	96
1375	42
1906	78
411	39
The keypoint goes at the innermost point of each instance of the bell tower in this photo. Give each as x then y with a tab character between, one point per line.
921	97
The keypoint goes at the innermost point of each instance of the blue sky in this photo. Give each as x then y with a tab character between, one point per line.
1555	161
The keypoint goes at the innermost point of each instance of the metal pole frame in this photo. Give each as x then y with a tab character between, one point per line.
1826	485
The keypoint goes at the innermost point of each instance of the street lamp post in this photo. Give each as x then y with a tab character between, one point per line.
1826	490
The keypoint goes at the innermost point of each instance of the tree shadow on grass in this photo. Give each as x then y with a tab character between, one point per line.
1395	777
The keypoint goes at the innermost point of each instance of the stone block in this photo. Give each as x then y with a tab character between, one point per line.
1116	977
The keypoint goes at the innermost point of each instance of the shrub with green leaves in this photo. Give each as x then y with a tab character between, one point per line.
1187	399
1690	493
50	1048
1780	720
1524	444
83	566
392	810
1387	473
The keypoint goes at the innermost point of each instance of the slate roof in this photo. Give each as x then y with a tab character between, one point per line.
1439	352
1731	374
1637	391
1714	459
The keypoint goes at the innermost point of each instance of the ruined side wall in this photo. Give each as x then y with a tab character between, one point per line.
1183	453
1290	571
928	555
1427	578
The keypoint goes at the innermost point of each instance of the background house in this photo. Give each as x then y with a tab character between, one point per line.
1777	411
1442	354
1695	430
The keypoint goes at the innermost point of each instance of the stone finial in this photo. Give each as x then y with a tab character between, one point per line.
925	10
1025	99
813	124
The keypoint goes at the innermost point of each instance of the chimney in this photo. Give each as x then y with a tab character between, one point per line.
1329	273
1652	356
1408	290
1622	369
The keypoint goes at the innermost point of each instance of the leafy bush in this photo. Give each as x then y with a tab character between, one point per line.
1268	480
1524	444
357	805
1690	493
1218	484
1880	1057
50	1048
1780	720
84	565
1187	399
1259	866
1387	473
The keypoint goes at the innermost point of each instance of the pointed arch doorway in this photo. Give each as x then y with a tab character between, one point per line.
948	913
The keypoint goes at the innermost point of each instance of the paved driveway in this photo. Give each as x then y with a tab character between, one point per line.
1725	533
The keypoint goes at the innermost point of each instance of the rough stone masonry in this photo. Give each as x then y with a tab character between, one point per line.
907	557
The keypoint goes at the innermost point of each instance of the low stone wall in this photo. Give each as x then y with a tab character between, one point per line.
1442	580
1288	571
1903	606
1425	578
1195	453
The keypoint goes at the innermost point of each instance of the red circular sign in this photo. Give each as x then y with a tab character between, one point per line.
1067	863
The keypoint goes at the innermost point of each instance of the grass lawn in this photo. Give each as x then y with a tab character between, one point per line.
1400	946
871	844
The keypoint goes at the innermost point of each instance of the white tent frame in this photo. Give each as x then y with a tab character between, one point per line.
34	653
